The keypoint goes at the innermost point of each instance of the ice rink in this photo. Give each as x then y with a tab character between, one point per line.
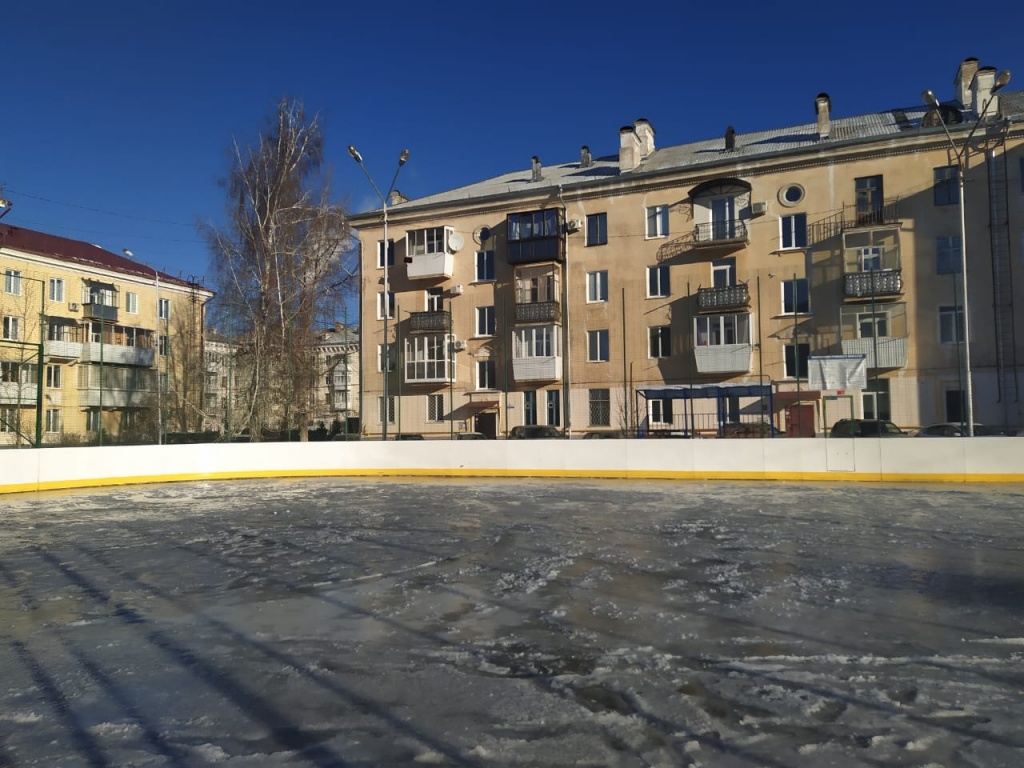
513	623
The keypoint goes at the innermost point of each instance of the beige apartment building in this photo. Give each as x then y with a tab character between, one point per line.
799	275
95	347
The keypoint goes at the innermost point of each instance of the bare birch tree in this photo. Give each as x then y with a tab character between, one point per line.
276	266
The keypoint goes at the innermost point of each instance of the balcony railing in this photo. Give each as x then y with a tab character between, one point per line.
723	358
96	311
65	350
537	368
430	322
728	297
720	232
892	351
115	398
880	282
116	354
539	312
429	265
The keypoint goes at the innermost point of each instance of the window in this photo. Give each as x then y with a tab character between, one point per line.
131	303
794	230
946	188
381	358
18	373
380	253
597	229
600	408
164	345
485	324
427	358
871	325
869	200
486	375
8	419
391	409
534	341
53	376
724	223
56	289
796	297
420	242
723	273
658	282
433	299
791	195
869	259
659	341
597	346
52	420
554	404
529	408
164	309
92	421
435	408
99	294
12	328
947	255
875	400
796	360
657	221
722	330
660	411
12	282
597	286
390	305
533	236
951	325
484	266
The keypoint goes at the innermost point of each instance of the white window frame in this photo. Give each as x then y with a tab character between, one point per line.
52	420
53	377
877	320
56	289
659	341
867	255
380	358
92	420
597	287
485	266
163	310
435	408
659	284
429	357
600	223
598	346
485	321
131	303
390	252
656	224
391	305
793	229
534	341
433	300
12	328
12	282
659	412
427	241
788	298
486	374
718	328
8	419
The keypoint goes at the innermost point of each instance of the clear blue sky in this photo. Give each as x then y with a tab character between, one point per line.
117	116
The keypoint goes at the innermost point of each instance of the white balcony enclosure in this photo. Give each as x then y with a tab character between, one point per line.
723	358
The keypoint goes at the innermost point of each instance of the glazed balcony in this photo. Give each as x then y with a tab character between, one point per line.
430	265
95	311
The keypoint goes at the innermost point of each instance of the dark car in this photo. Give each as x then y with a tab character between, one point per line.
408	436
956	429
535	432
866	428
606	434
471	436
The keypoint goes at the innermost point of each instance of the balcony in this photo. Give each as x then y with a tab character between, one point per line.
538	312
715	233
430	322
14	393
116	354
878	283
62	350
429	265
723	358
430	371
115	398
725	298
892	352
96	311
537	368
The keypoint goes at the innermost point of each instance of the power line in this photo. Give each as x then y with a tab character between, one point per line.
99	210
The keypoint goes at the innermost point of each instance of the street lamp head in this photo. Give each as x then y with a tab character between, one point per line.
929	98
355	154
1001	80
402	158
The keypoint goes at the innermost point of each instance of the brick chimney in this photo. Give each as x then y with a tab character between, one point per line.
823	108
645	136
963	81
629	149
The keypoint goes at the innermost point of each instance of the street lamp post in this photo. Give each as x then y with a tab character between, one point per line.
402	158
961	162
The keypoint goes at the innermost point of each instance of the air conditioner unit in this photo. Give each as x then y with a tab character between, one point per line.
457	290
759	208
573	225
73	306
458	345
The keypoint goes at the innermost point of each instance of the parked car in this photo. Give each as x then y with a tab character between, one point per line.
408	436
956	429
750	429
471	436
866	428
535	432
347	436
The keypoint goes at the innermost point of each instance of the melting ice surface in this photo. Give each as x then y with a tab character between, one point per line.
525	623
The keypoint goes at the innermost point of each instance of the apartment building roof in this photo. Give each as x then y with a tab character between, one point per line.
79	252
804	137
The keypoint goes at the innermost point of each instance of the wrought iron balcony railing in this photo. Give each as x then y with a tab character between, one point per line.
729	297
539	312
430	322
879	282
718	232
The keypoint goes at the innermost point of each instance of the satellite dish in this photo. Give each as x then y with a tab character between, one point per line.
481	234
455	242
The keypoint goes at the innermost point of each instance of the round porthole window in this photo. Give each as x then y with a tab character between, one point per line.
791	194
